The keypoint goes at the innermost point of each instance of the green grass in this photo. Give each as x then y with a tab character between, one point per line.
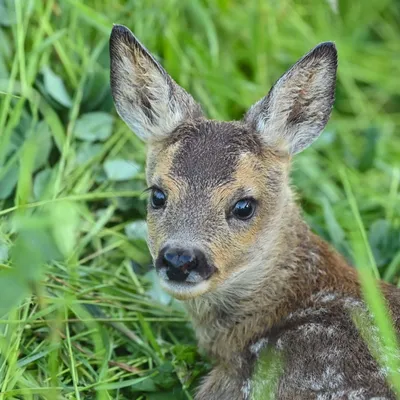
81	316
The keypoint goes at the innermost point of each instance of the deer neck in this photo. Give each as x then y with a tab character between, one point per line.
299	266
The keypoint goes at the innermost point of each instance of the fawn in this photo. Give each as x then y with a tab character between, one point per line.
228	239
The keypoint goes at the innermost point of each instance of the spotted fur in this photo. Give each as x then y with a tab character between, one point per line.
277	289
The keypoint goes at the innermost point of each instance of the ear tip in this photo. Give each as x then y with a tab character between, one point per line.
122	33
328	46
326	49
118	30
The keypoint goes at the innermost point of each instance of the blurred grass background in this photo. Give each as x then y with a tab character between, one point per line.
81	315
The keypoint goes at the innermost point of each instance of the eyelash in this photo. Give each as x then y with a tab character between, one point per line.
150	188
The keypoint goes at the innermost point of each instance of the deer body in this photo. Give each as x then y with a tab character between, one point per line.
323	356
228	239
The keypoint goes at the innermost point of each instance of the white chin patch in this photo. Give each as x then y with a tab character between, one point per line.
193	277
184	290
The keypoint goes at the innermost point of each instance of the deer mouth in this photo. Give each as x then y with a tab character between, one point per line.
193	286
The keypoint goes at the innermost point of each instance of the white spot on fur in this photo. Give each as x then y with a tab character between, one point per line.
246	389
310	328
351	302
256	347
331	330
328	297
358	394
379	398
355	394
334	354
332	378
308	312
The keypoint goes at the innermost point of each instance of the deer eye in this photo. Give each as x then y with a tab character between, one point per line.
158	198
244	209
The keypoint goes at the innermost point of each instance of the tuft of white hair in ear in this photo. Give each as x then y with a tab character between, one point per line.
298	106
145	96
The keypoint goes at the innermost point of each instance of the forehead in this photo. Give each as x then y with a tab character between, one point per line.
208	151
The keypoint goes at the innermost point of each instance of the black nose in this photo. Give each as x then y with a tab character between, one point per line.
176	258
180	262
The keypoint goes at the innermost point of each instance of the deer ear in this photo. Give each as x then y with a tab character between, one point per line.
297	108
145	96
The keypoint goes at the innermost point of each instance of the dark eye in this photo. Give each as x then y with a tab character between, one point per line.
158	198
244	209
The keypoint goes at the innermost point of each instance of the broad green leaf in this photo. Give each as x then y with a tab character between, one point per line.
121	170
97	87
55	87
5	43
94	126
3	251
42	139
65	224
136	230
7	13
3	68
42	182
12	290
33	247
27	257
8	182
86	151
21	131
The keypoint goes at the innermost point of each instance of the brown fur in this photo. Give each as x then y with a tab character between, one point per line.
275	286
